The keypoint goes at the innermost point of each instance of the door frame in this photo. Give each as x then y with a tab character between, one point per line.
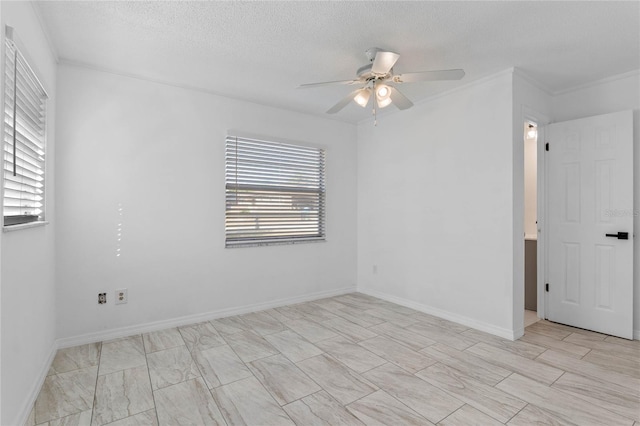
541	121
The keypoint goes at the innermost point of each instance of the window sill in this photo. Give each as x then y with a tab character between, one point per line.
264	243
11	228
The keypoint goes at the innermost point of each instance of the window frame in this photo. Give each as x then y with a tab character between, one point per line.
316	195
20	59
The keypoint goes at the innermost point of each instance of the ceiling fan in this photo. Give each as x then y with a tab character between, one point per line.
377	78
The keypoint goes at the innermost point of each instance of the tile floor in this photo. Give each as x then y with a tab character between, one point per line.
346	360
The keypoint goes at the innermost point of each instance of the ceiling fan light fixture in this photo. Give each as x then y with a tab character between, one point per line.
362	97
383	95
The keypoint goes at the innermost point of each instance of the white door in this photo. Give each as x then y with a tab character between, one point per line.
590	206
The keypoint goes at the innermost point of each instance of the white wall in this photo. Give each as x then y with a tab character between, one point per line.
27	259
610	95
157	152
435	206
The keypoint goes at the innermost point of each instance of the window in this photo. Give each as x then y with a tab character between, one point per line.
275	193
24	140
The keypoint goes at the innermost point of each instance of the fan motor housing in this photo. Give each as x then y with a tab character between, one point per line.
364	73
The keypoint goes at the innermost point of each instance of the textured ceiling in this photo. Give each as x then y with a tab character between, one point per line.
261	51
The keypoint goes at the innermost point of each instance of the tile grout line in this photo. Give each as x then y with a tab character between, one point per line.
95	389
153	394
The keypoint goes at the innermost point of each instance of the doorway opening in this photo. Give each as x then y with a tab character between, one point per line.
530	223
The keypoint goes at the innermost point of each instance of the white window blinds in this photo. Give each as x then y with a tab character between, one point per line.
24	140
275	192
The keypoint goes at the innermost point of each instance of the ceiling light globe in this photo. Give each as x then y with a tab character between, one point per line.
362	97
383	96
384	102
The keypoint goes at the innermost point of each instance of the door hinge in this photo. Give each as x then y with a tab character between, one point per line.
546	287
546	146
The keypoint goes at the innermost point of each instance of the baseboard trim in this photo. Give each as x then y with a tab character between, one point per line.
636	334
466	321
117	333
35	390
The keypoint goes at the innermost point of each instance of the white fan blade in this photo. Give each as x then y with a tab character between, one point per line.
383	62
343	103
328	83
400	100
413	77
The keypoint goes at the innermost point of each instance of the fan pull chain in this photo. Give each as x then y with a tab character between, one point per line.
375	113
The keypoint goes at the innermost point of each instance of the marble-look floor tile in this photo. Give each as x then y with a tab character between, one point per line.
508	360
488	399
350	354
388	315
320	409
624	342
79	419
289	312
440	322
359	318
293	346
65	394
381	409
410	339
397	354
250	346
585	368
394	307
262	323
471	365
518	347
593	335
549	329
357	303
229	325
559	403
343	384
551	343
532	415
626	366
348	329
314	313
330	305
201	337
75	358
122	354
122	394
432	403
442	335
310	330
607	395
246	402
187	403
161	340
284	381
627	352
277	315
148	418
220	365
469	416
171	366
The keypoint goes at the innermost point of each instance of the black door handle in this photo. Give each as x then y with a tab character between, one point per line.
619	235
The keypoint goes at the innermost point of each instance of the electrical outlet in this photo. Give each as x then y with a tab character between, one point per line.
102	298
121	296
